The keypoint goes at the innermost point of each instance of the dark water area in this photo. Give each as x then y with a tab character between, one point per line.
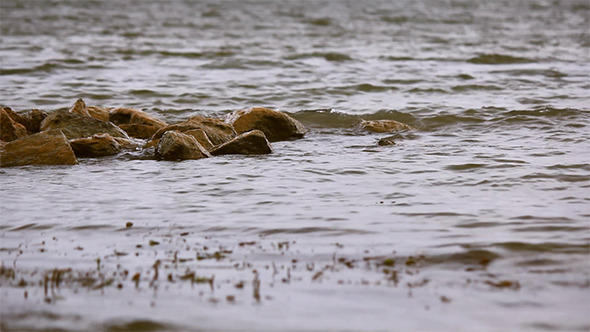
478	220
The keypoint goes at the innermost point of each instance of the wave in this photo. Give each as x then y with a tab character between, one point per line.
329	56
329	118
46	67
492	116
496	59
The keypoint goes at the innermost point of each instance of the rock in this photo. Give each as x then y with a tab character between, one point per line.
217	131
10	129
46	148
98	145
201	137
76	125
389	140
79	107
381	126
128	144
101	113
32	119
124	115
252	142
178	146
139	130
277	126
151	144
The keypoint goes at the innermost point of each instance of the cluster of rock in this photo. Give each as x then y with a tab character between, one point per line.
36	137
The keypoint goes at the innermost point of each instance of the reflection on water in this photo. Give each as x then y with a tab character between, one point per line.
477	220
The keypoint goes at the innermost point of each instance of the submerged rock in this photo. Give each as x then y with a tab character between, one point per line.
382	126
98	145
76	125
10	129
389	140
277	126
217	131
252	142
46	148
174	145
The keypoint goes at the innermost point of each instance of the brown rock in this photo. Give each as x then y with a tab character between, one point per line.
139	130
32	119
9	128
47	148
128	144
382	126
201	137
14	115
124	115
252	142
98	145
77	126
389	140
217	131
79	107
151	144
101	113
178	146
277	126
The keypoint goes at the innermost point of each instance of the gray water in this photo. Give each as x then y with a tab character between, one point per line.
476	221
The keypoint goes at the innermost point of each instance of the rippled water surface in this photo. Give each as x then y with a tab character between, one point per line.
476	221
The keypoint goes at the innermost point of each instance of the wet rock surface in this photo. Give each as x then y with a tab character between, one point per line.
10	129
277	126
178	146
98	145
78	126
252	142
382	126
88	135
46	148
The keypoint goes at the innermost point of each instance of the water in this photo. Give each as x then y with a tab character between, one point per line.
478	220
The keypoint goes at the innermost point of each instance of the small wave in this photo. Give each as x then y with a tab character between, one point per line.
33	227
532	72
469	87
329	118
138	325
329	56
585	167
465	167
470	257
395	19
427	90
47	67
197	55
350	90
496	59
322	21
552	247
313	230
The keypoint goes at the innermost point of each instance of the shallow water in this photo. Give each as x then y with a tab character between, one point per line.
478	220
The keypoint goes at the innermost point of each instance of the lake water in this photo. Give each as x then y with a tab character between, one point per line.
479	220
